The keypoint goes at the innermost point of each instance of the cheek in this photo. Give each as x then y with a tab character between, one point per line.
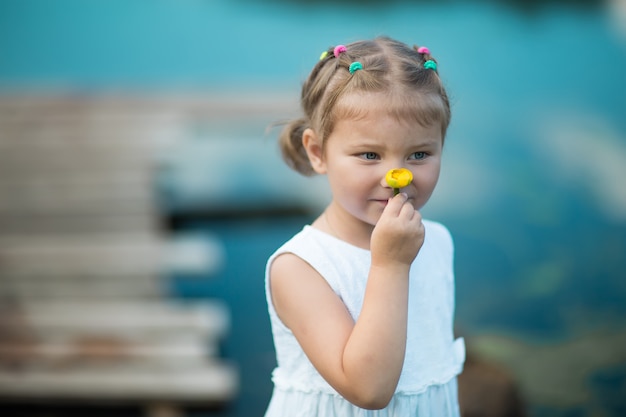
349	187
434	176
427	178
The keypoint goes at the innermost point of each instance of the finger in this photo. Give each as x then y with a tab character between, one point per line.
408	212
395	204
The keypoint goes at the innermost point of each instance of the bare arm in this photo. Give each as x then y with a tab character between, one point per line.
361	360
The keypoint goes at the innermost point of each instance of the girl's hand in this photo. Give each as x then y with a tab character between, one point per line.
398	235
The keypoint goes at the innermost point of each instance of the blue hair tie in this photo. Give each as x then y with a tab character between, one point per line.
355	66
430	64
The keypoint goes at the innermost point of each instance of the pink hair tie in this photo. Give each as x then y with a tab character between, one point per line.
338	50
423	50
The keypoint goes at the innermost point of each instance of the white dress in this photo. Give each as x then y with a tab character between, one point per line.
433	359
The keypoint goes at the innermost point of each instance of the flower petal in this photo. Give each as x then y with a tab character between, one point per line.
399	177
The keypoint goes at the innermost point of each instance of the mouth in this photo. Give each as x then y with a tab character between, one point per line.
384	201
409	198
381	202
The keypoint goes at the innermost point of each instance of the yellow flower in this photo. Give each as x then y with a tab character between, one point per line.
398	178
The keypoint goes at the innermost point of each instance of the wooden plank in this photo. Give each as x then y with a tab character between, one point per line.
96	107
78	224
62	164
126	254
113	287
124	317
214	382
65	205
32	163
152	137
86	187
108	348
44	121
34	112
215	106
105	255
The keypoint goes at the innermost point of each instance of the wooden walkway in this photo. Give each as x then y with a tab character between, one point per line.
84	315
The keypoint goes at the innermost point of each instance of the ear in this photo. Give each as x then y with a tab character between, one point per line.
314	150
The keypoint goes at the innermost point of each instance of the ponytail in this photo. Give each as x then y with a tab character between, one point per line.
292	150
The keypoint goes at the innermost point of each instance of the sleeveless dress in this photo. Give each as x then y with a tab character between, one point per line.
433	359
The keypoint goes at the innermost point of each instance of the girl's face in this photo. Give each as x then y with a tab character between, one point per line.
358	154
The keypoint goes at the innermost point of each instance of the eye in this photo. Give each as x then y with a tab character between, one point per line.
370	156
418	155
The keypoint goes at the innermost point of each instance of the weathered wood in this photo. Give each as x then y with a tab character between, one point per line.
57	350
83	257
214	107
80	224
85	287
123	382
128	368
163	409
60	164
59	341
125	317
104	255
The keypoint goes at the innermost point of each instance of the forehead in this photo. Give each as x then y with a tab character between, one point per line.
378	130
403	106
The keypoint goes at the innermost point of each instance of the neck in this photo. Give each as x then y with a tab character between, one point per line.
338	223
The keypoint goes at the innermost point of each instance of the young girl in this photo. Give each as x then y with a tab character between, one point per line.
361	302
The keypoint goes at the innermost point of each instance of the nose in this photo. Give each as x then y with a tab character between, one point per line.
397	177
383	181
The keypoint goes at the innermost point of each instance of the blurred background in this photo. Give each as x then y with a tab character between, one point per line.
141	192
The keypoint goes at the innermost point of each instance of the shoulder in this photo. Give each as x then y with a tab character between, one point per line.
286	263
316	248
296	245
296	288
291	262
303	238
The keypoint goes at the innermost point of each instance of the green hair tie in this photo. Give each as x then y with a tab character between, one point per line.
355	66
430	64
324	55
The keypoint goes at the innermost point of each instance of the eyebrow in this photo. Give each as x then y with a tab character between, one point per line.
377	142
430	141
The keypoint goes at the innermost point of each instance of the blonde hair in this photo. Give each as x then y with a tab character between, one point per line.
390	67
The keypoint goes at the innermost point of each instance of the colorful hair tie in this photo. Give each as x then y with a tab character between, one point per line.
355	66
324	55
430	64
338	50
423	50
